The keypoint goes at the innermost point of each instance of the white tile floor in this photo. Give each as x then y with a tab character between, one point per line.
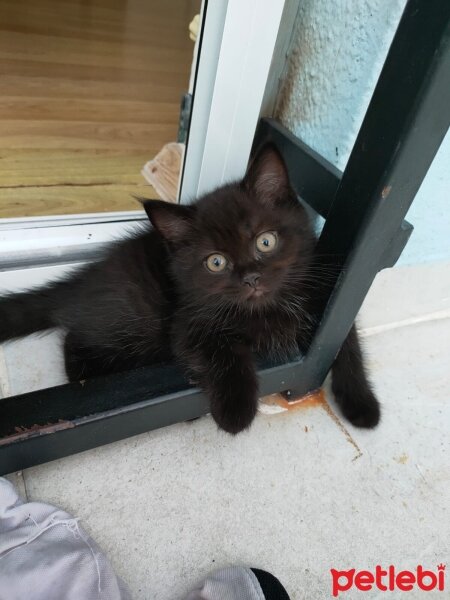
292	495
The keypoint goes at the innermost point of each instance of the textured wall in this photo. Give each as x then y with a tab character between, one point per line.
337	53
338	49
430	213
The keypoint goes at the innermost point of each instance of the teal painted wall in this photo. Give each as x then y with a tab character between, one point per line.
337	52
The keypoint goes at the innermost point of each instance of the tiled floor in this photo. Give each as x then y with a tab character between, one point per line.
297	494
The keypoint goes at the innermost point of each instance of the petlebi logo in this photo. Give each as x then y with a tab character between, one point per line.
388	580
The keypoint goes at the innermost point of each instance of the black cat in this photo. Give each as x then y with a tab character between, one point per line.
210	285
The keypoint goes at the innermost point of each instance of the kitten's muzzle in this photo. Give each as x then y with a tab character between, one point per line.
251	279
253	287
255	293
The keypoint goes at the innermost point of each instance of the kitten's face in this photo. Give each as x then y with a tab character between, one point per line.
244	244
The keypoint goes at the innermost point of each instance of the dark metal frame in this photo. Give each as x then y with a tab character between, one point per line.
364	232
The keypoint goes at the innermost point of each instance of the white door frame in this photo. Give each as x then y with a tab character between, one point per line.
224	134
237	43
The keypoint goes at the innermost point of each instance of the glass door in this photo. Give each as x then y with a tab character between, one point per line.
91	91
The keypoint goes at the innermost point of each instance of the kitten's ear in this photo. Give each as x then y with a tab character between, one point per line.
173	221
267	176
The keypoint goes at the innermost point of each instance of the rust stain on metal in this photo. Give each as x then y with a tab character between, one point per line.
386	191
316	398
23	433
311	400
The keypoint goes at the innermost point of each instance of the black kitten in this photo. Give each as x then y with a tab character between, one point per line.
211	285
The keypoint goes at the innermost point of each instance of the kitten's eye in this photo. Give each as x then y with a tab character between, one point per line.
216	263
266	242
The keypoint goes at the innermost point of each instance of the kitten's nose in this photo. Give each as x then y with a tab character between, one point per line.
251	279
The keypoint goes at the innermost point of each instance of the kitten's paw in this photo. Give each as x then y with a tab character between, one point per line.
362	411
235	412
234	420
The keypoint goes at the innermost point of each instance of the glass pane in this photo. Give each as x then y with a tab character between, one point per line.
90	91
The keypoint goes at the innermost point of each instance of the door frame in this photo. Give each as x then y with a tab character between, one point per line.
225	115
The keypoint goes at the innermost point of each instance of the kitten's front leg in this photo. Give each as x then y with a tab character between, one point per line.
351	387
225	370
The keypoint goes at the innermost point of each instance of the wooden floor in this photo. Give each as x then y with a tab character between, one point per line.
89	91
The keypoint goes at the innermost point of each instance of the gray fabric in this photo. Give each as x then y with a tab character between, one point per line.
46	555
233	583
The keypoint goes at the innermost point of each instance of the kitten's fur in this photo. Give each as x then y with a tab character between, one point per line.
152	298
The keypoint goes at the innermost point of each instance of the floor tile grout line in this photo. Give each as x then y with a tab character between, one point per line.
25	487
4	377
434	316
